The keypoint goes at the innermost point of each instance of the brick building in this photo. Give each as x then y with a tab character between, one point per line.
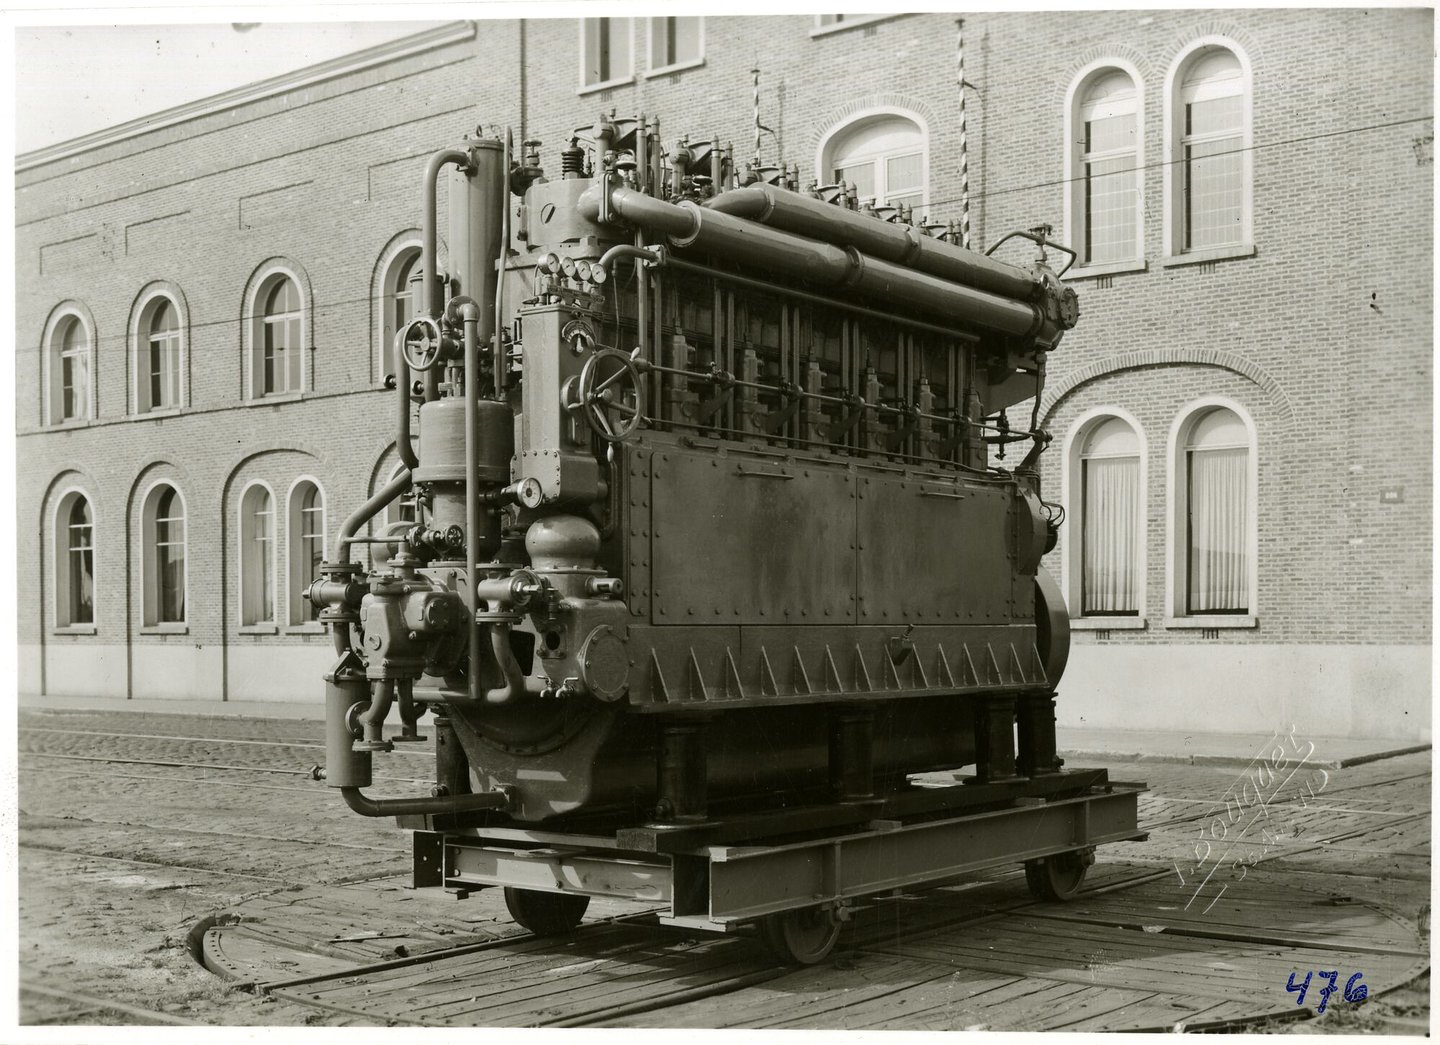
1242	417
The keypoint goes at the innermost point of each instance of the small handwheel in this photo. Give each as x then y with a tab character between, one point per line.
1057	877
803	937
421	343
545	914
608	392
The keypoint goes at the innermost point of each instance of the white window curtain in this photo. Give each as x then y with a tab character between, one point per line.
257	557
1111	536
1219	568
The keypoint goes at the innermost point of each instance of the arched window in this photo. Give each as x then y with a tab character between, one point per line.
884	155
399	302
280	352
68	351
1103	167
163	357
157	340
74	371
276	330
163	535
74	561
257	556
403	508
307	547
1209	138
1104	494
1217	471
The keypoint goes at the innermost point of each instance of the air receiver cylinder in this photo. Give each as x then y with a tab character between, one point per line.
477	199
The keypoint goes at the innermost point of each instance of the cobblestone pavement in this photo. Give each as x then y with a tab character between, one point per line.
134	826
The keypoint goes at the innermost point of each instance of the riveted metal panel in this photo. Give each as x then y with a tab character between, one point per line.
932	552
740	540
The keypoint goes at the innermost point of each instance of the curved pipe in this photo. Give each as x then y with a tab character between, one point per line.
430	296
516	684
624	250
367	806
403	446
367	511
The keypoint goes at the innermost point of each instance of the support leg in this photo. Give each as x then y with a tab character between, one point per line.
852	734
995	739
681	772
1035	718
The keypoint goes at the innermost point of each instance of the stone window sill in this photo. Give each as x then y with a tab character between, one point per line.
852	23
1107	623
1109	268
173	628
1199	257
75	629
275	398
1219	620
605	85
258	629
677	67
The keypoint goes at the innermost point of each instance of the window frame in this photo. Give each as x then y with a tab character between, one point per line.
142	315
823	28
1177	499
63	620
651	69
1073	202
825	147
246	573
1072	549
150	561
386	518
387	270
262	282
297	608
613	80
1173	196
52	346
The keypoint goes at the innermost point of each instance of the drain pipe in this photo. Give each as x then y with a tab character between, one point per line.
367	806
431	298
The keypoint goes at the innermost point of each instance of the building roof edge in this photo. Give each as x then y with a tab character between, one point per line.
452	32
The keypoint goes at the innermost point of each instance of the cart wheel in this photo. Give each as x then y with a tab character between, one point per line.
545	914
803	937
1057	877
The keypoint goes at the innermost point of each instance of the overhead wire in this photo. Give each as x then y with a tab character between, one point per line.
320	309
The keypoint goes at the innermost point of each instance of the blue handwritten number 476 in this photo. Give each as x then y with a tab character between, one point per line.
1354	990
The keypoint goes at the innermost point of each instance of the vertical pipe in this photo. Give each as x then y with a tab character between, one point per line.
502	261
470	317
431	299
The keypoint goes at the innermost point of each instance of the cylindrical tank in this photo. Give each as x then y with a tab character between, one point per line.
477	199
442	441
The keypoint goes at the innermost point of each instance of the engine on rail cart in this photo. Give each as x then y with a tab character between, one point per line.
713	550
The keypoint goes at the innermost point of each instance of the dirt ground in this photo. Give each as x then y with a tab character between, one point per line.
133	827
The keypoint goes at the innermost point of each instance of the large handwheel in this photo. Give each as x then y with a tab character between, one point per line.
545	914
421	343
803	937
1056	877
608	393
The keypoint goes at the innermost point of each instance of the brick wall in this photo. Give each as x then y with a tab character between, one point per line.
1323	334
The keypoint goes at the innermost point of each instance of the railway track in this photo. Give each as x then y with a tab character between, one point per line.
721	985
